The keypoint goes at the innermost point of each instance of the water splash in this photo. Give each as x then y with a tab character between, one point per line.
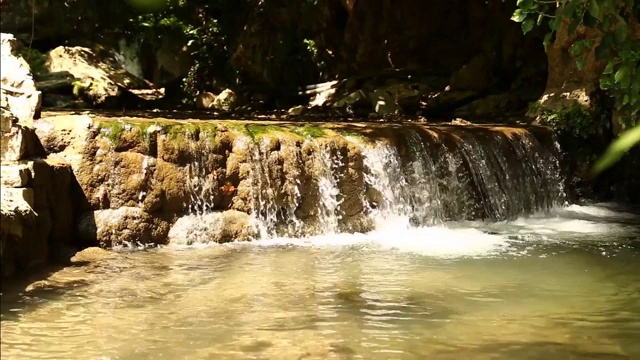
415	177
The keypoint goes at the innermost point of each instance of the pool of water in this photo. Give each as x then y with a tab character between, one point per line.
562	285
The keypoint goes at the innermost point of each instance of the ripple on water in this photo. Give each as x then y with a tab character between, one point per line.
437	293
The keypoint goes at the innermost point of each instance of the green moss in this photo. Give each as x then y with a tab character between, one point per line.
310	131
256	130
347	133
112	130
577	120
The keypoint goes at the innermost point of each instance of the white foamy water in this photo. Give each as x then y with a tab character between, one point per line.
426	178
438	242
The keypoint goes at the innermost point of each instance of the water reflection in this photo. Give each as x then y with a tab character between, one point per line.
552	296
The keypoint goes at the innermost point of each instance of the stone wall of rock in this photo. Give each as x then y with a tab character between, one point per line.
19	94
139	178
37	213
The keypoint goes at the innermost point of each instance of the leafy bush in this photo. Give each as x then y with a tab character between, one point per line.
35	59
621	77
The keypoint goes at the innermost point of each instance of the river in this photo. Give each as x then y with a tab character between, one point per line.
563	284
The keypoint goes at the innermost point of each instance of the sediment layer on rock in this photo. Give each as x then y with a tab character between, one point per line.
294	179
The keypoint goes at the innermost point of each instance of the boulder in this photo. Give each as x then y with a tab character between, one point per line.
14	176
19	93
476	75
125	225
91	255
20	143
297	110
205	100
226	100
101	75
217	227
7	119
17	217
17	210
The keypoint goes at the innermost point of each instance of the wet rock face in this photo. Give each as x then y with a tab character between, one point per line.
202	181
37	212
125	225
272	173
216	227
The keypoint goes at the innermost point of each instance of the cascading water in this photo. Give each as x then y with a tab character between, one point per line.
413	177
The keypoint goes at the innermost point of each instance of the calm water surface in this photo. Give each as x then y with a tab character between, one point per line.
564	285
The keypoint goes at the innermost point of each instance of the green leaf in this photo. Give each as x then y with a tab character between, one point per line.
621	74
547	40
525	4
608	69
519	15
625	100
527	25
573	26
580	62
602	52
617	149
540	19
594	9
569	8
622	30
606	83
606	23
555	23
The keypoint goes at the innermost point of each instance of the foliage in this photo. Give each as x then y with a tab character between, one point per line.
35	59
617	149
208	28
612	43
577	120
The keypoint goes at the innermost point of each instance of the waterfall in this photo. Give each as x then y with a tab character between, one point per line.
413	176
130	53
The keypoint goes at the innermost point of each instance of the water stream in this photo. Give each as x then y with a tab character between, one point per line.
472	253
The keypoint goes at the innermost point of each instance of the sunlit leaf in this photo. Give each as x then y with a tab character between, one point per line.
617	149
608	69
519	15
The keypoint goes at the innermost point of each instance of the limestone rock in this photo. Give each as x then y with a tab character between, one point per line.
226	100
383	103
19	94
475	75
491	106
218	227
19	143
297	110
67	135
322	98
126	225
91	255
7	118
14	176
205	100
101	75
351	99
17	210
